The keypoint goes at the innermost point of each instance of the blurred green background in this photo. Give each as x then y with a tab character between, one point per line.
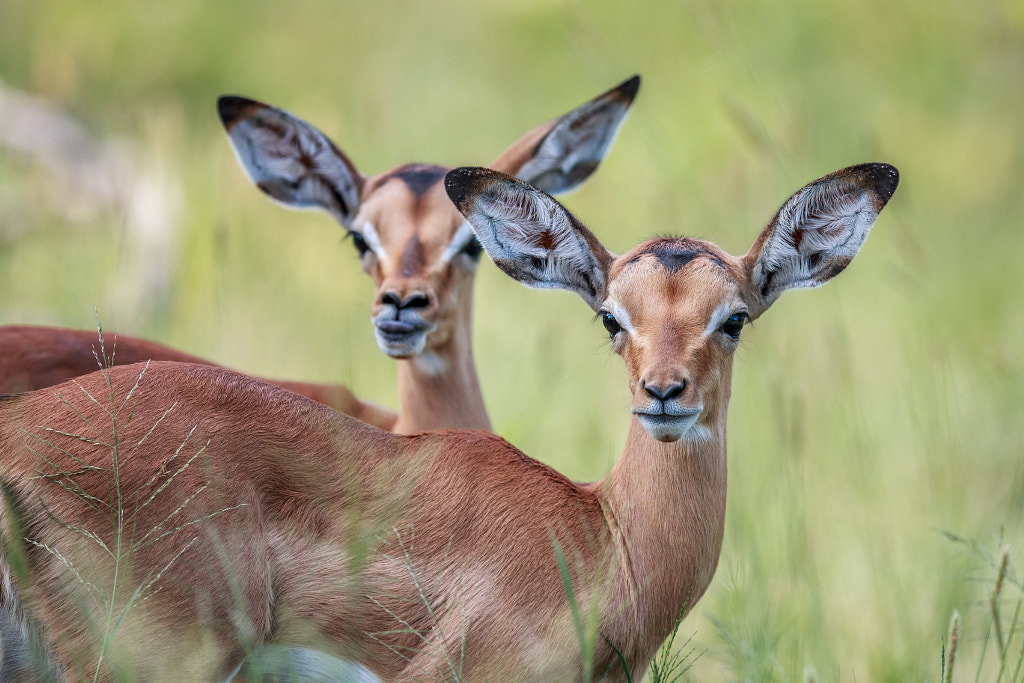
866	416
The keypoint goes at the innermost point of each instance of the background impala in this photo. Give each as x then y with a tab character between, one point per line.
410	239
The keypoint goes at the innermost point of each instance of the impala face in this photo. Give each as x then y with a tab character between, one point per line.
675	307
421	255
674	312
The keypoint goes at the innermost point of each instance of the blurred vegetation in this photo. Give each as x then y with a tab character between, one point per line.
866	416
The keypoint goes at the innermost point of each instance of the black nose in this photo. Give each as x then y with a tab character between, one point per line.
417	300
671	391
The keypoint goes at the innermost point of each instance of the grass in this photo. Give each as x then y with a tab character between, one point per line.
987	642
864	416
584	617
107	604
450	642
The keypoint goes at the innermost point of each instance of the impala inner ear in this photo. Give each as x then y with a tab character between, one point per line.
818	231
290	160
529	235
560	155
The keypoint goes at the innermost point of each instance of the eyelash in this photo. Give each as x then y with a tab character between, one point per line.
359	242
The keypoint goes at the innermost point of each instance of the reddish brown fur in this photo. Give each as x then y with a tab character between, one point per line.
35	357
287	460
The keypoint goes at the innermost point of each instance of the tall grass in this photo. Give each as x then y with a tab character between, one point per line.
987	642
864	415
107	603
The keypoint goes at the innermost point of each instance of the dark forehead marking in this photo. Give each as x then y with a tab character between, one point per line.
674	253
418	177
412	257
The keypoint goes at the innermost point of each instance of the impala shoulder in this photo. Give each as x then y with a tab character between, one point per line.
491	460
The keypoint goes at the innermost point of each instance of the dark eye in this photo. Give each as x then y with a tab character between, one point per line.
472	249
734	325
610	324
360	244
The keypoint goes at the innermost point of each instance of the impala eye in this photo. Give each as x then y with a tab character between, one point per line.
360	244
473	249
734	325
610	324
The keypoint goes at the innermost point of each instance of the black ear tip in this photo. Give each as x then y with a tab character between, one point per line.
630	87
461	182
885	178
231	108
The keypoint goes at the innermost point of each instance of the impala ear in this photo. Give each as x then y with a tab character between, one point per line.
529	235
289	159
559	155
817	232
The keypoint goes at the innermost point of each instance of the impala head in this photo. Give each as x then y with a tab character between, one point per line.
675	307
419	250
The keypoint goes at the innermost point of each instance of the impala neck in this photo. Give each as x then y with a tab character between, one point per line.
440	386
668	502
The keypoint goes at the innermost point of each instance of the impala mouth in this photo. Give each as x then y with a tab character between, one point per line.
395	328
400	339
665	427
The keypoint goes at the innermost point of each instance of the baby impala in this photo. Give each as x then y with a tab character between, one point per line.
262	522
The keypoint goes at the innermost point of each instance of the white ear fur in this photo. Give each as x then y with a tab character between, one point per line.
290	160
819	230
560	155
529	235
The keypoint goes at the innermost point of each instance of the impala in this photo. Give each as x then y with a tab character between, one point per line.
439	556
36	356
418	249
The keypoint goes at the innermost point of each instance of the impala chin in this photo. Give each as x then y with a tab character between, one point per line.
668	428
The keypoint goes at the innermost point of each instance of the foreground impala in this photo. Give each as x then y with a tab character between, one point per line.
417	248
425	557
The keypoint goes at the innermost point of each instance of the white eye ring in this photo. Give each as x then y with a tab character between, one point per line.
464	236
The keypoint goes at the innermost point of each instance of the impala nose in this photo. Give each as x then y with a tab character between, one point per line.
416	300
665	393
